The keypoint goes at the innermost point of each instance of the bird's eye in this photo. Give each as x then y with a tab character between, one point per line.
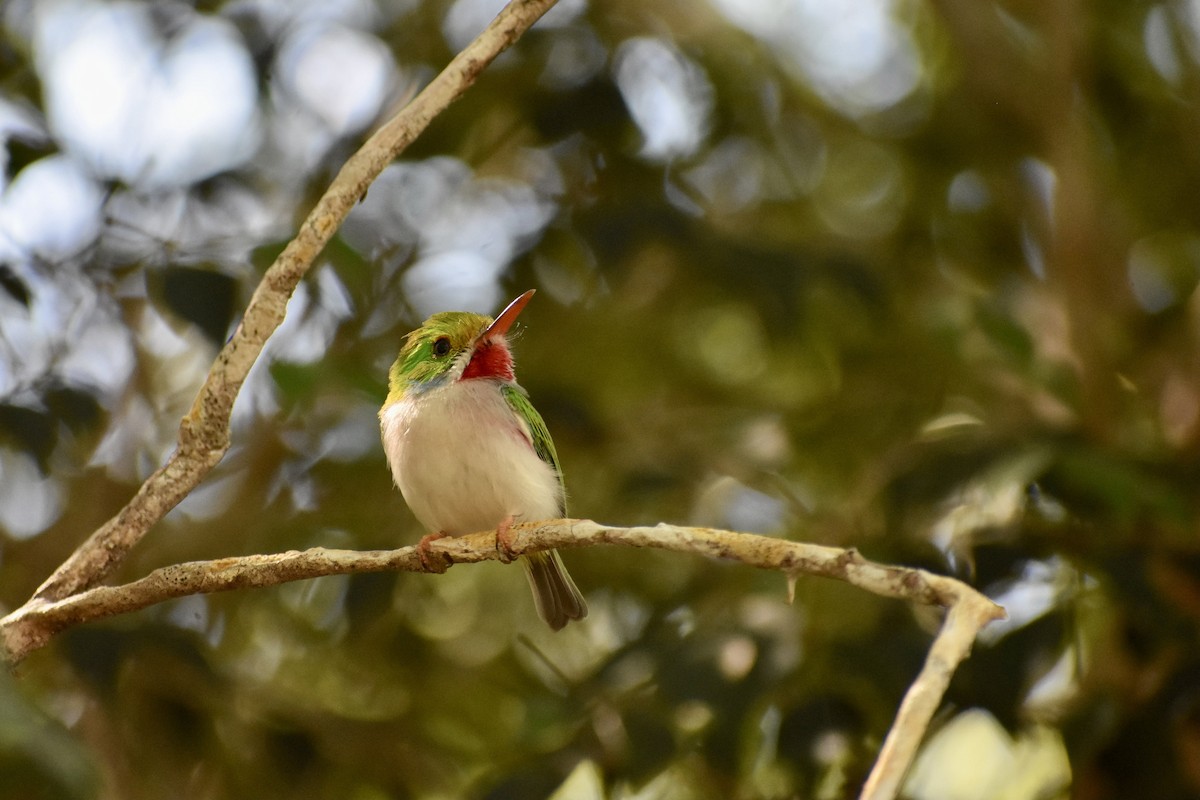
441	346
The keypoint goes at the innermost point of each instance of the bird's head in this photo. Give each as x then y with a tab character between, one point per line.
452	346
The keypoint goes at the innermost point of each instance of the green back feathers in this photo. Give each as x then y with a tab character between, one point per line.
543	445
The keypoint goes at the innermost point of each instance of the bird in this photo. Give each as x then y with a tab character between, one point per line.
468	450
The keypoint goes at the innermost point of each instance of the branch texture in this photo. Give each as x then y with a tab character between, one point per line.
34	625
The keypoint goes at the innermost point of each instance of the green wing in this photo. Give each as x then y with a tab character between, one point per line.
543	445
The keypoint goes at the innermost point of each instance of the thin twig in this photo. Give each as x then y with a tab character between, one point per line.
965	617
204	432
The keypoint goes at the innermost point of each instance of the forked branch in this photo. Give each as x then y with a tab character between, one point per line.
967	610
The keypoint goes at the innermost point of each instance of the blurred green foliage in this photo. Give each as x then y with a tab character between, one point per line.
914	277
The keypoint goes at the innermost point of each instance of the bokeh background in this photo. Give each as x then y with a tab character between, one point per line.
914	276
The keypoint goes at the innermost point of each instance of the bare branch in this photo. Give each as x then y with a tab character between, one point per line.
34	625
204	432
966	616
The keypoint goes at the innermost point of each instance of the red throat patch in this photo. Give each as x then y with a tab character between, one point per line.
491	359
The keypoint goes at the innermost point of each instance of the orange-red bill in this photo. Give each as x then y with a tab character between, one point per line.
509	315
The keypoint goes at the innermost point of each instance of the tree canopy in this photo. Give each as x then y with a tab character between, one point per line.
918	278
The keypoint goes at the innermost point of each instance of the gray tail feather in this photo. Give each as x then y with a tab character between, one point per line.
557	598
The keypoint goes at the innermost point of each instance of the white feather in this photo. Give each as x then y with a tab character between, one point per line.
464	460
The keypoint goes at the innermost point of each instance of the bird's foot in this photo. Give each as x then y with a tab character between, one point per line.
504	540
432	560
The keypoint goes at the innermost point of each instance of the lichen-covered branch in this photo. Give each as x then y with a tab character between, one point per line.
204	432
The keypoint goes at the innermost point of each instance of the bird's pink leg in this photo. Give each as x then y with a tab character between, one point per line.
432	561
504	540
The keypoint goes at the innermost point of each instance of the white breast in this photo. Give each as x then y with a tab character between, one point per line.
464	460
